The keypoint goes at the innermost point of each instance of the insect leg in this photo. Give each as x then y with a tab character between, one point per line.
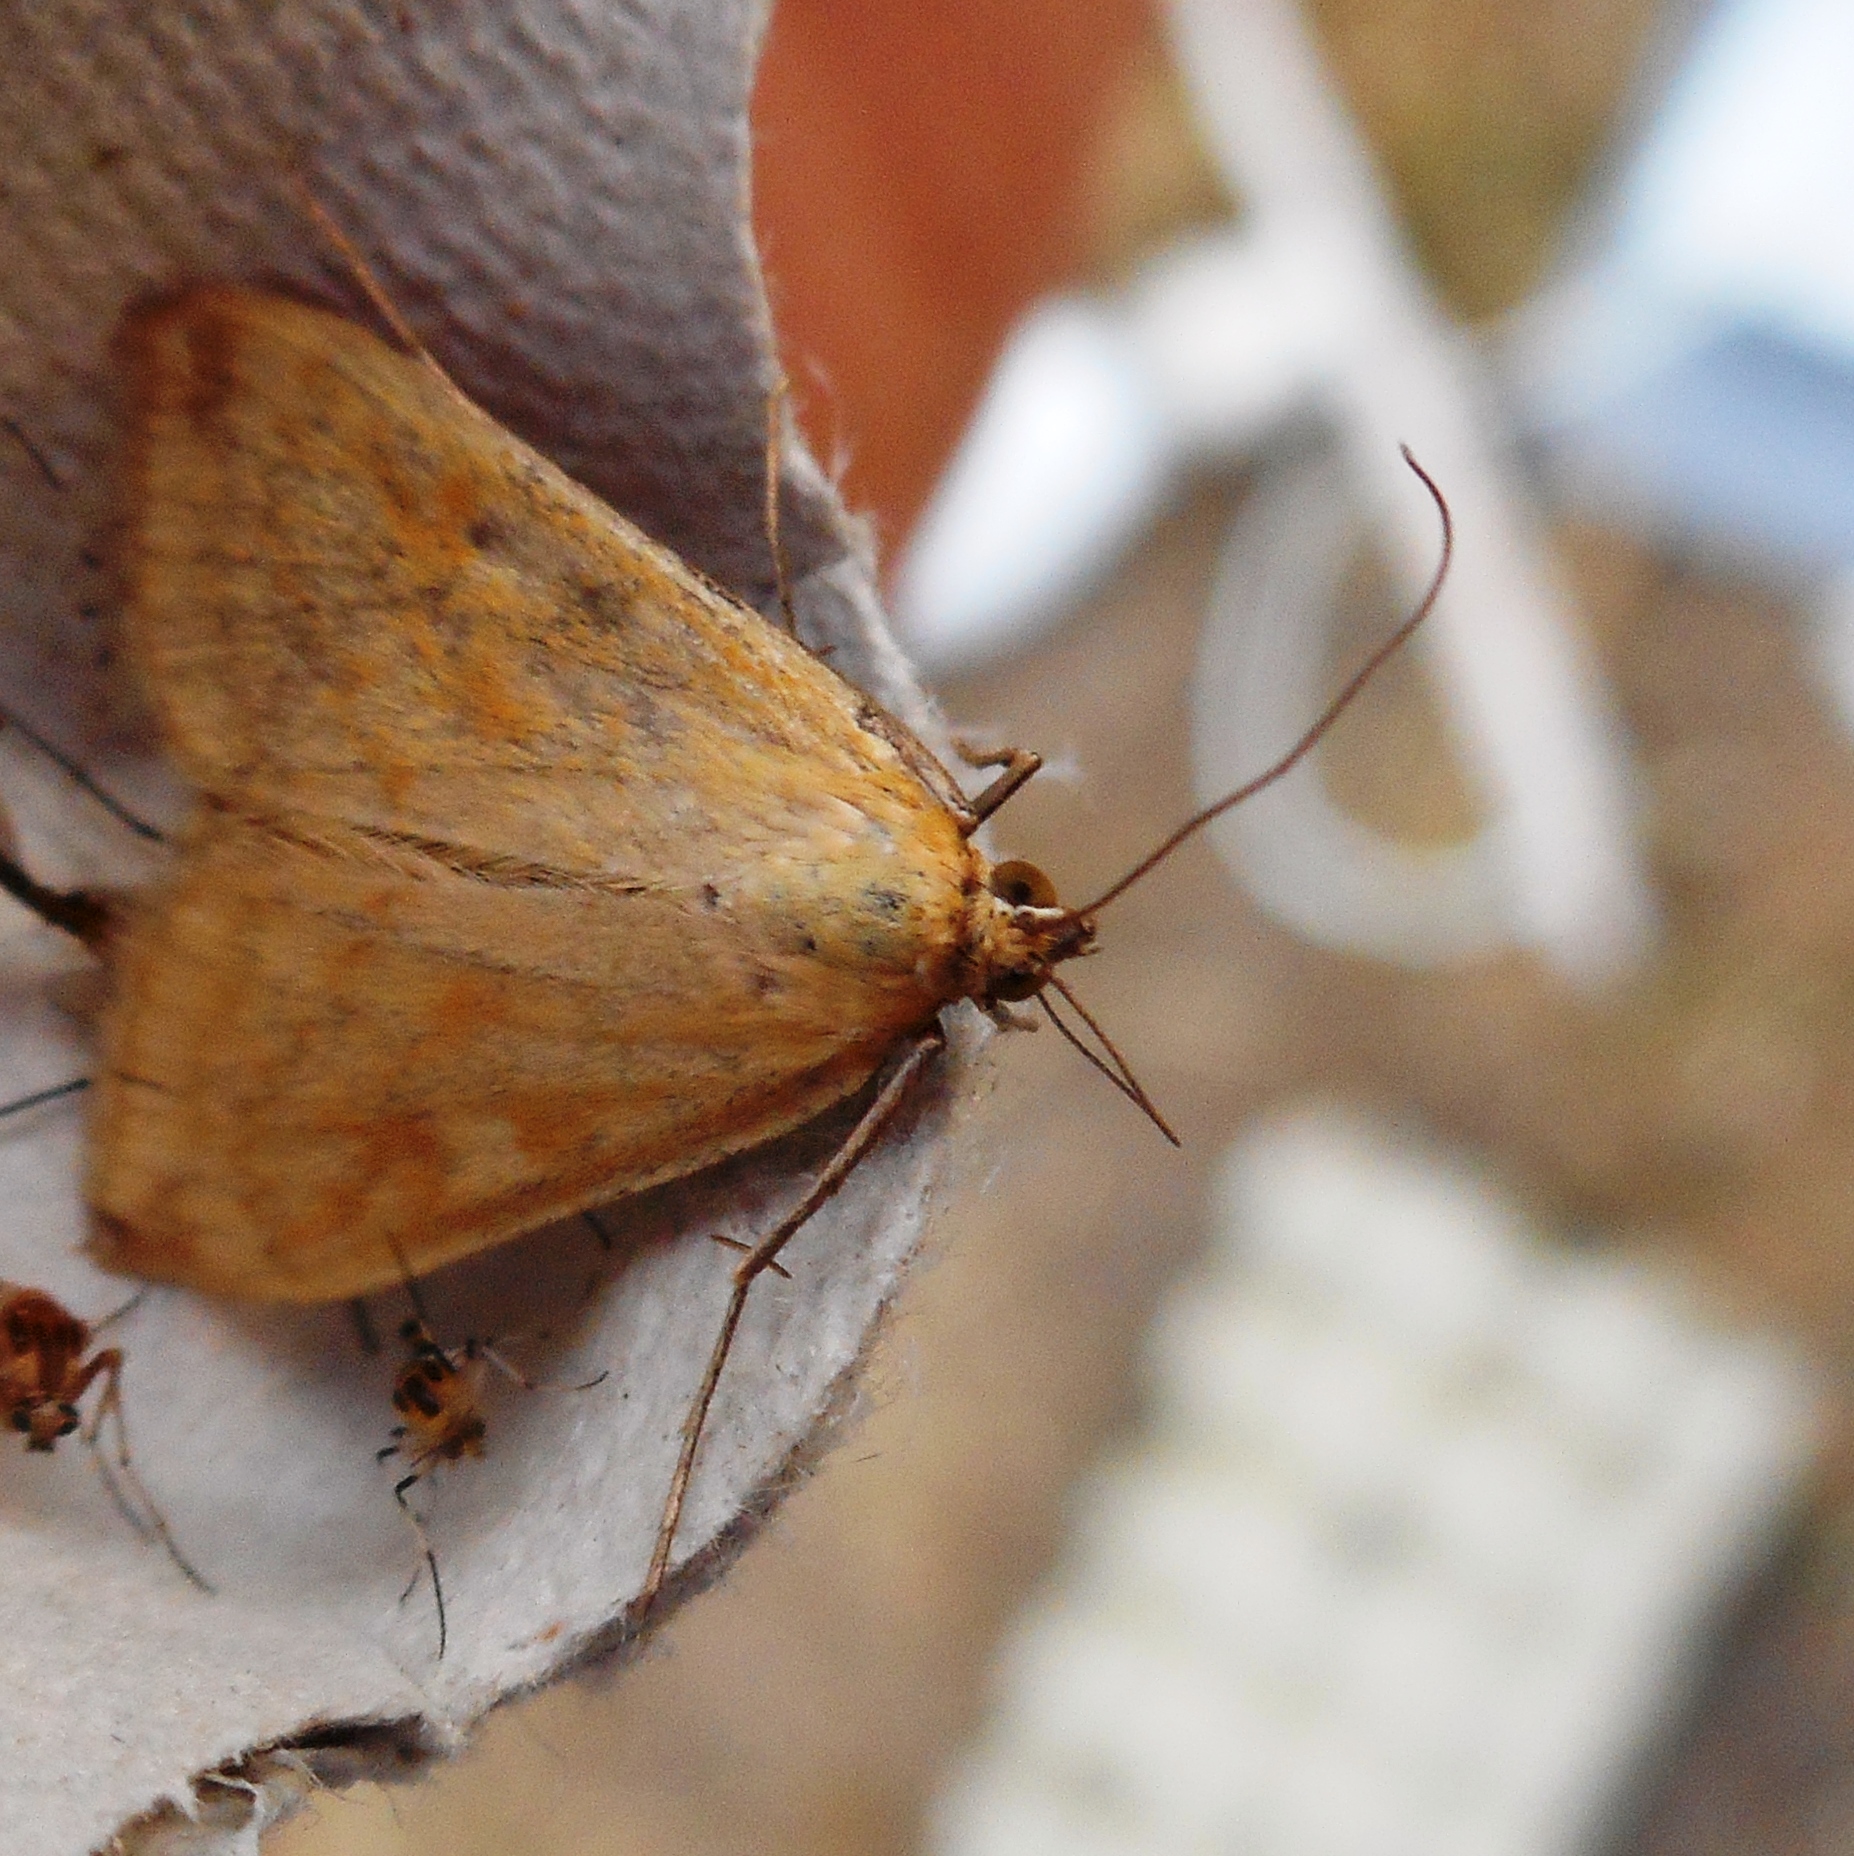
78	913
81	778
431	1559
145	1514
18	434
775	421
1020	767
746	1250
56	1093
56	755
365	1335
486	1350
762	1257
122	1312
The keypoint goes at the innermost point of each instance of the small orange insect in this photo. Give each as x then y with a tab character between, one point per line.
529	869
438	1394
46	1368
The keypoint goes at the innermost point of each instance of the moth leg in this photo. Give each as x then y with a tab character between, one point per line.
746	1250
144	1515
763	1256
79	776
371	288
1007	1019
40	462
1020	768
431	1559
86	917
52	752
775	422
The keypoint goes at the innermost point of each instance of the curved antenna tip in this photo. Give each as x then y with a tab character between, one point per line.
1328	716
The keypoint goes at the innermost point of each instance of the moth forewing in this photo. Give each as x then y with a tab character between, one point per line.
530	870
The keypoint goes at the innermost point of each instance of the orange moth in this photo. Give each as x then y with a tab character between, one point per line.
528	868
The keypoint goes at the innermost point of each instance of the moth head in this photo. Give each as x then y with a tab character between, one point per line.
1025	933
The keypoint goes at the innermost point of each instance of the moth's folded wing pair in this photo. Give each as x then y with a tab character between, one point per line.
528	869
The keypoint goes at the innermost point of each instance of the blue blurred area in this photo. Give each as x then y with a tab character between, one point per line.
1748	439
1696	371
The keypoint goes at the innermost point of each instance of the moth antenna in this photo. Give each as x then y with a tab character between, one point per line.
74	771
1121	1076
56	1093
1332	712
17	432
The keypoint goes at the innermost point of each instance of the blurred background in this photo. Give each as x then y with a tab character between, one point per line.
1447	1449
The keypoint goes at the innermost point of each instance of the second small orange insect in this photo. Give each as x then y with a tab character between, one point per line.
46	1369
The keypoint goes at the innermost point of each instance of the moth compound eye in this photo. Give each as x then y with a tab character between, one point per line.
22	1418
68	1420
1023	886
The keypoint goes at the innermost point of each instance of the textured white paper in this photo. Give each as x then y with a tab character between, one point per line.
553	191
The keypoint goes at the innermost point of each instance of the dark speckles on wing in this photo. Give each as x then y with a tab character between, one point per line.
601	602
